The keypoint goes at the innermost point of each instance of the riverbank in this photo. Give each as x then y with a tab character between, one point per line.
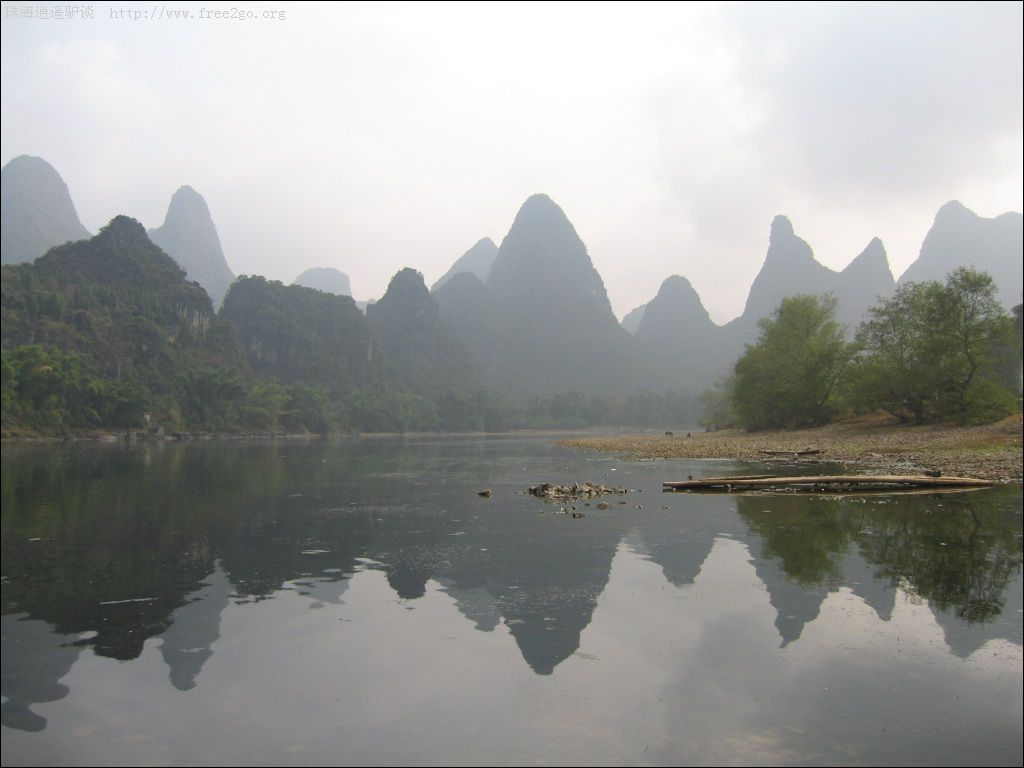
990	451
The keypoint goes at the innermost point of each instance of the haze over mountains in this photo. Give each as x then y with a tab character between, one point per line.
326	279
529	317
189	236
37	211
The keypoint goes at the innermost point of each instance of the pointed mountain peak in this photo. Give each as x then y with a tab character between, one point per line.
406	286
785	248
678	288
872	260
187	200
478	261
543	252
189	235
541	214
959	237
782	228
677	307
954	209
789	268
36	211
540	202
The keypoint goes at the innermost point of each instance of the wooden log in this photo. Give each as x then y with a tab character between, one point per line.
823	482
807	452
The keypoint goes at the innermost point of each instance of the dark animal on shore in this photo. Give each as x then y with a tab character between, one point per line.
669	434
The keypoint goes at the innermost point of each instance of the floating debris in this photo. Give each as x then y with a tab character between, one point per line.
485	493
554	493
130	600
825	483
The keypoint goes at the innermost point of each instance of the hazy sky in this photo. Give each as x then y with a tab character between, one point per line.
369	137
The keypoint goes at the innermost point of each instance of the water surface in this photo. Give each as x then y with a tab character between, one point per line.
358	603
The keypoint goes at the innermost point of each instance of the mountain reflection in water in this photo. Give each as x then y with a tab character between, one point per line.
106	547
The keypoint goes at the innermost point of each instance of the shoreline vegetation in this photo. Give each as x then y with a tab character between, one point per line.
989	452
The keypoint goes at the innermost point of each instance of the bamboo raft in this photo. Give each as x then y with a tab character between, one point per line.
824	484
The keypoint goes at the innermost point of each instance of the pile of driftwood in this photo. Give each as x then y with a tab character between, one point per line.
824	483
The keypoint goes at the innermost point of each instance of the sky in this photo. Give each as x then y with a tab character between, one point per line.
371	137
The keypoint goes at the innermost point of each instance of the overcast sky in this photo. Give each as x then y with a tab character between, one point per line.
370	137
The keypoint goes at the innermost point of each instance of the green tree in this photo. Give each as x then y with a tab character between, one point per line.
935	351
789	377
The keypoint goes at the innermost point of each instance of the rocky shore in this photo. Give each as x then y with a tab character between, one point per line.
991	451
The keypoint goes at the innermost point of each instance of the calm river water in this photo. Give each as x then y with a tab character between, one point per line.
357	603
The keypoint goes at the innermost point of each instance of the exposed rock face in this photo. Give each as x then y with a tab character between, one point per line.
961	238
477	261
189	236
326	279
36	211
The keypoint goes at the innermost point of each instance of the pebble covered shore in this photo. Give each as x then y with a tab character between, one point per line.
991	451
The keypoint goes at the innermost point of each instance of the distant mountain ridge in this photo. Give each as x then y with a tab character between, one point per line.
477	261
326	279
531	316
36	210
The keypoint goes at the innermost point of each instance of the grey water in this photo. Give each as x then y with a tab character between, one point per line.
358	603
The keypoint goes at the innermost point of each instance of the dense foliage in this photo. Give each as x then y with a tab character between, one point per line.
103	331
109	333
931	352
790	377
938	351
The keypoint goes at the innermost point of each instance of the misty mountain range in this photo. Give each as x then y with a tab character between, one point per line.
532	315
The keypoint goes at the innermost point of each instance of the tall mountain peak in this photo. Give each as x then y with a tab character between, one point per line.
189	235
685	341
36	210
960	237
782	227
543	261
954	209
873	261
677	304
864	280
789	268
